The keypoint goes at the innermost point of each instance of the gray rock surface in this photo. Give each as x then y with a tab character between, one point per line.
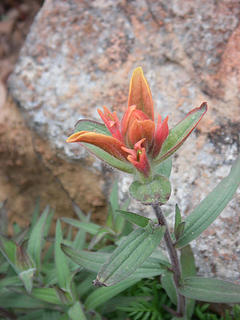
79	56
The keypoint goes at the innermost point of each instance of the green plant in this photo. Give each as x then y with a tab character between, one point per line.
52	277
136	146
56	287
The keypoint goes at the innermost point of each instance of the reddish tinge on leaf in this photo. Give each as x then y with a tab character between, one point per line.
136	140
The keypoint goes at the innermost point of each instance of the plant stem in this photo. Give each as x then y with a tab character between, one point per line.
173	257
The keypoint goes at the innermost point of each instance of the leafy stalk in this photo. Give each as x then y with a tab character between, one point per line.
174	260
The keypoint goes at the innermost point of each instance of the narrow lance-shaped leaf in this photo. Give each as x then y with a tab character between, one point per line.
187	262
169	286
164	168
210	208
99	236
178	218
46	294
135	218
178	225
110	218
179	230
80	238
11	281
20	300
35	242
62	269
180	132
90	125
114	197
25	263
130	255
35	215
20	261
76	312
210	290
89	227
107	158
9	250
101	295
93	261
188	270
79	213
93	126
113	202
27	278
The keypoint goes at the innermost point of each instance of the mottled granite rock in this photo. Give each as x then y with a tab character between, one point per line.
80	55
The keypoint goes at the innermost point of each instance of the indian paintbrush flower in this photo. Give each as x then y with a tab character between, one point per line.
136	143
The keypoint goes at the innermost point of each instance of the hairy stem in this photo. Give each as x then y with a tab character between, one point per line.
173	257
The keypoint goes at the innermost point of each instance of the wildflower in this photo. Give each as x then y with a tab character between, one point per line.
135	142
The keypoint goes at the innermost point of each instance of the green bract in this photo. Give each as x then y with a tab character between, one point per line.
157	191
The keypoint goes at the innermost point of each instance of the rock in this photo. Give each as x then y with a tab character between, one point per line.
29	169
79	56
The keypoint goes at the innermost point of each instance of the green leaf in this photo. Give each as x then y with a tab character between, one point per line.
180	132
110	219
80	238
65	297
178	225
89	227
20	261
27	278
92	126
91	261
169	286
114	197
160	257
164	168
62	269
180	230
46	294
178	218
130	255
35	215
9	250
85	285
210	290
106	157
118	220
79	213
135	218
149	269
23	260
188	270
210	208
34	315
35	242
187	262
157	191
20	300
10	281
101	295
76	312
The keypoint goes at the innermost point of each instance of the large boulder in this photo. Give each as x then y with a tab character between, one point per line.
79	56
